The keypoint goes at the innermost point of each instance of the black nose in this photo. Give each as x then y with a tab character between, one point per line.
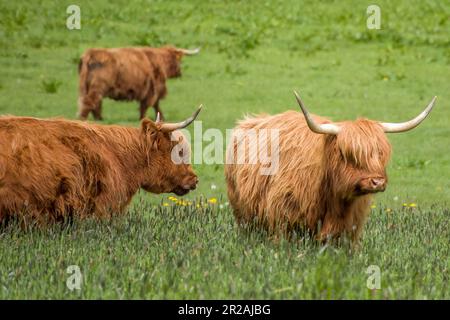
194	184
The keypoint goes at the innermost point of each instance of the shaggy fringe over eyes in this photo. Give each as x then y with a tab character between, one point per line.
364	144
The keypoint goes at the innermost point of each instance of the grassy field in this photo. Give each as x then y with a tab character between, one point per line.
254	54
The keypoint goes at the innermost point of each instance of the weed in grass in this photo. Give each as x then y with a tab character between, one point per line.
50	85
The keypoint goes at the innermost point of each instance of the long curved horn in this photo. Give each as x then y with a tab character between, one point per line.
169	127
324	128
408	125
189	52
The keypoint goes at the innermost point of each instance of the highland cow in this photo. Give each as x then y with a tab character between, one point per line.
54	169
327	173
127	74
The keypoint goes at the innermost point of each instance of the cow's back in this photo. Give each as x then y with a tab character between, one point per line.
118	73
56	166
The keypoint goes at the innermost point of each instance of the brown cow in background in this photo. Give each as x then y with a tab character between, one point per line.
127	74
326	176
52	169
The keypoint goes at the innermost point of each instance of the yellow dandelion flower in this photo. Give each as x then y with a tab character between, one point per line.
373	206
212	200
165	204
405	204
412	205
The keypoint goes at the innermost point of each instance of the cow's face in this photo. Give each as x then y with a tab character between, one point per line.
171	59
358	157
357	152
168	169
172	62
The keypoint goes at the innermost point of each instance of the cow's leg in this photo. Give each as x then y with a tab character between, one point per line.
143	109
158	110
97	112
88	103
83	109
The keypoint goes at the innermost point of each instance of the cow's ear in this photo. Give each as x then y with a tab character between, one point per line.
148	126
150	131
179	55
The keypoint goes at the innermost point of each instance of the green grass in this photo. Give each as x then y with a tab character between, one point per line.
253	55
185	252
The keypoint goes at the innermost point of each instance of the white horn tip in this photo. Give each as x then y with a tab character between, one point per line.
411	124
198	111
190	52
297	95
431	104
300	101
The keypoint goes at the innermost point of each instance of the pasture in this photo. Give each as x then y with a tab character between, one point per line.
253	55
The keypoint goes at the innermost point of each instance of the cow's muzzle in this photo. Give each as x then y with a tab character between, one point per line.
188	185
371	185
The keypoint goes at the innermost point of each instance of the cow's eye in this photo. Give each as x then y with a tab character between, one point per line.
180	153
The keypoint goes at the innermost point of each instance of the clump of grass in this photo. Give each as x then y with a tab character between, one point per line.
149	38
235	69
391	76
50	85
36	41
412	163
75	58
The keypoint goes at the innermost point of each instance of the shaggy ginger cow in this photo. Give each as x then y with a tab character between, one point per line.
127	74
52	169
327	173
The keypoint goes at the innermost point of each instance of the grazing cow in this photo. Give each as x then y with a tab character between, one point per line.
56	168
326	176
127	74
